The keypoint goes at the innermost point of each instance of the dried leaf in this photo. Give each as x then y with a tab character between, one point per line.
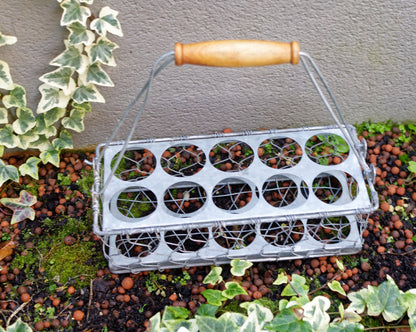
6	248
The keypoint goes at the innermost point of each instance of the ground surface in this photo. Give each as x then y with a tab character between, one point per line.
55	277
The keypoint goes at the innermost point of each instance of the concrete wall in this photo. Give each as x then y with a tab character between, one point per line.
365	49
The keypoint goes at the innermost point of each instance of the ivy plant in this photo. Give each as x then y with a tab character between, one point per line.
297	310
66	92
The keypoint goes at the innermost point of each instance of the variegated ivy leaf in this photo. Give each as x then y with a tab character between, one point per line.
7	40
7	137
25	121
30	167
64	141
53	115
61	79
107	22
86	107
239	267
51	97
95	75
42	143
42	128
6	81
72	57
102	51
25	140
4	115
8	172
16	97
75	121
87	93
74	12
21	206
79	34
51	155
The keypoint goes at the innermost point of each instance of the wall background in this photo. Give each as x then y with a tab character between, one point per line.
366	50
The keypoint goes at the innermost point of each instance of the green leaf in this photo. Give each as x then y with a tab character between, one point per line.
358	301
172	313
297	287
315	313
107	22
262	313
6	81
72	58
87	93
384	300
42	143
239	267
1	150
30	167
7	40
214	276
7	137
42	128
155	323
75	121
207	310
237	318
345	326
412	167
51	155
25	121
86	107
214	296
74	12
102	51
16	98
61	79
281	279
4	115
233	289
288	321
94	74
24	141
21	206
8	172
51	98
63	142
335	286
19	326
80	34
340	265
211	324
53	115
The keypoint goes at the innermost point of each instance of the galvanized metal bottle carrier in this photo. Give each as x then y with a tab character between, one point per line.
257	195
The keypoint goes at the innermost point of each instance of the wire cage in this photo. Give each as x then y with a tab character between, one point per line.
256	195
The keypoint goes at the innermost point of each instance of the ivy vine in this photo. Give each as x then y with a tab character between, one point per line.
66	93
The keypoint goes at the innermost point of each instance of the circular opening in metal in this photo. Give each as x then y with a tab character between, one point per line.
234	237
280	191
137	245
184	198
234	195
329	187
136	202
329	230
280	153
188	240
231	156
183	160
134	165
327	149
282	233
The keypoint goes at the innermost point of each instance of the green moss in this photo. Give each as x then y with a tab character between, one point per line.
62	263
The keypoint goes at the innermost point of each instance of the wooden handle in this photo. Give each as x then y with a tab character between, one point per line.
237	53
